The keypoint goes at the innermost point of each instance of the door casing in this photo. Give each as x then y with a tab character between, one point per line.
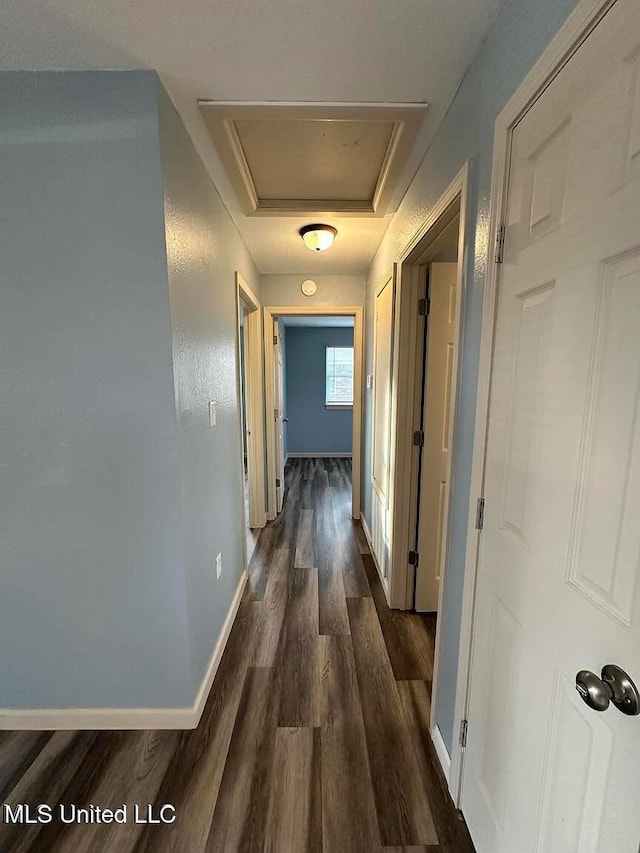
580	23
271	312
410	274
254	400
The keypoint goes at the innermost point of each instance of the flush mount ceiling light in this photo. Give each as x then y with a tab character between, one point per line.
318	237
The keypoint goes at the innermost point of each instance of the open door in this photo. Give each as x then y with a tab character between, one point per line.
278	412
435	462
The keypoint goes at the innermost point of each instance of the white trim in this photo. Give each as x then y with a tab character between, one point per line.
577	27
441	751
218	651
328	455
367	536
404	489
367	533
408	398
384	490
117	719
355	311
254	401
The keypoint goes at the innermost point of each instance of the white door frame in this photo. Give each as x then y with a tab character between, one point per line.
580	23
408	379
355	311
254	399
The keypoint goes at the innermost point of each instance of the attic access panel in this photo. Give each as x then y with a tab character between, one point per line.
285	159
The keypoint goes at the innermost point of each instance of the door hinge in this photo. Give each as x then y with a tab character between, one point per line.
424	307
499	255
480	514
464	725
275	340
277	482
418	438
413	558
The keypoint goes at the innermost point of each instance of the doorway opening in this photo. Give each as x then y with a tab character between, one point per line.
313	373
439	266
250	395
430	307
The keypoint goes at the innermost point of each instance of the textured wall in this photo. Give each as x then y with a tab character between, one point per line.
332	290
313	428
204	250
117	327
520	33
93	605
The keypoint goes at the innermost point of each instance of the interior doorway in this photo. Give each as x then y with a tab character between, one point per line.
440	269
296	432
430	309
250	395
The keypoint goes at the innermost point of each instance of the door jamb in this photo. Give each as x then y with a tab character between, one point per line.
254	399
408	401
357	312
575	30
407	378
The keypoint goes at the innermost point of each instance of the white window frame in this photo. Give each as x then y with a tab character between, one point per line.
339	404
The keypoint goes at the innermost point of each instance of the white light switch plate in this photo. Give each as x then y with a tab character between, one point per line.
212	413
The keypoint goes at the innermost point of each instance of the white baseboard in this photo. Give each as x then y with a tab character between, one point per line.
216	656
441	751
367	534
117	719
328	455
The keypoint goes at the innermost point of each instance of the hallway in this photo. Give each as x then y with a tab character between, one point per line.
315	734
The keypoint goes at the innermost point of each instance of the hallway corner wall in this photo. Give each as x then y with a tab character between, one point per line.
204	250
93	608
333	290
520	33
118	326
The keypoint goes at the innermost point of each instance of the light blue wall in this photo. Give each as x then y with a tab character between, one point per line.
313	428
117	326
93	609
519	34
204	250
332	290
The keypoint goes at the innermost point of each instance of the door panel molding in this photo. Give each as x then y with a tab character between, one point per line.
585	17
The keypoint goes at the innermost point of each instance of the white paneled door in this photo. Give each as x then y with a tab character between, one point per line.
559	555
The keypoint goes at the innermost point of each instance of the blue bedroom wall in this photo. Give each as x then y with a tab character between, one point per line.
312	428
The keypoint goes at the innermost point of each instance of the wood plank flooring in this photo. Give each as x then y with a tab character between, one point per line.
315	736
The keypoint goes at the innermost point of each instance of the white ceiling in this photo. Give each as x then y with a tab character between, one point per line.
247	50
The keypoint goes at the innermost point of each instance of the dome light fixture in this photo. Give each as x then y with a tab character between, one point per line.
318	237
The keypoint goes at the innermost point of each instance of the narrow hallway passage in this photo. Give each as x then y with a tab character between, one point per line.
315	734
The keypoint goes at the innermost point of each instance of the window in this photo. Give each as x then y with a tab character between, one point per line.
339	377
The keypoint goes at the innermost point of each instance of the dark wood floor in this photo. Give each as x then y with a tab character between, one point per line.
315	735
